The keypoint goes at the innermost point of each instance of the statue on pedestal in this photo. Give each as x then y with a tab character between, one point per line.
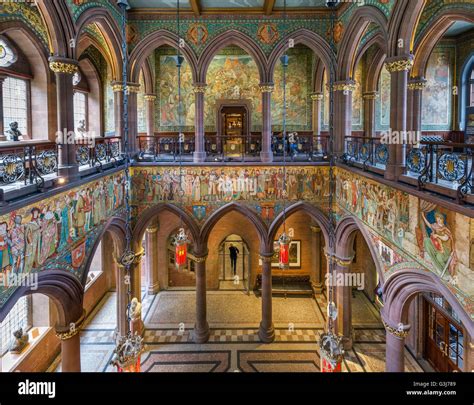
13	134
19	342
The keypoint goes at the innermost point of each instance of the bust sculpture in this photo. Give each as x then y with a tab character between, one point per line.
19	342
13	134
135	310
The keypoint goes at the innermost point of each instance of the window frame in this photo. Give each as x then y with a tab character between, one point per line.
86	106
29	117
29	322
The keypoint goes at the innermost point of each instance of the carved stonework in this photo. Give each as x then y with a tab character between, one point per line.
397	332
399	65
317	96
267	88
62	67
344	86
417	84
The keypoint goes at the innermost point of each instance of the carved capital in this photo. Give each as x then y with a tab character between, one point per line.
133	87
370	95
60	66
316	96
199	87
400	332
152	229
399	65
416	84
65	333
266	87
344	86
341	262
265	258
200	259
150	97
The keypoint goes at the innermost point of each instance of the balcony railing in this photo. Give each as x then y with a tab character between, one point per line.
368	152
34	163
442	166
231	148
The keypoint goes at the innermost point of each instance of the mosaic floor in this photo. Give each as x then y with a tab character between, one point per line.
234	345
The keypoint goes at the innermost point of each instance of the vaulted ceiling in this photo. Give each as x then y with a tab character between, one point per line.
199	7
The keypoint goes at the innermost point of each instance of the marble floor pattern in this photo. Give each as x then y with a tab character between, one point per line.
234	345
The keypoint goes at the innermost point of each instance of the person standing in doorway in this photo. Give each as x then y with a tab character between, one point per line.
234	252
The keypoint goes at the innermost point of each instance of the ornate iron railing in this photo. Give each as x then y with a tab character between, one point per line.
446	164
154	148
369	152
99	151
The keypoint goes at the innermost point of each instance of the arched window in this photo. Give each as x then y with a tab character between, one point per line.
20	316
15	103
80	112
7	54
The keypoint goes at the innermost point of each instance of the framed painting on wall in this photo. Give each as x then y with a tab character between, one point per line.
295	254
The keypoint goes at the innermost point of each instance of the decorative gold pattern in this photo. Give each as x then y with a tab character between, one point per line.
152	229
266	259
418	85
200	259
133	88
199	88
370	96
74	329
267	88
150	97
401	334
399	65
62	67
344	86
340	262
317	96
117	87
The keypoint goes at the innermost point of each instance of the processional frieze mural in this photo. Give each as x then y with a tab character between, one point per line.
411	233
205	189
57	232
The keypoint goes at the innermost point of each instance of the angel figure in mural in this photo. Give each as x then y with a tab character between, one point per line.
33	240
17	238
5	249
439	244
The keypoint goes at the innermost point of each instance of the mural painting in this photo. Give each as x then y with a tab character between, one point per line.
357	104
383	101
411	233
56	230
436	106
206	189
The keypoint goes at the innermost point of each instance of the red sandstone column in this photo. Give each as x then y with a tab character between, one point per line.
201	328
266	154
70	346
64	70
342	113
342	267
398	68
369	113
133	90
199	137
395	347
150	114
315	274
416	87
117	88
266	330
151	258
316	120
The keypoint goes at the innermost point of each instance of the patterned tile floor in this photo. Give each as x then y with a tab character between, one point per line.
234	345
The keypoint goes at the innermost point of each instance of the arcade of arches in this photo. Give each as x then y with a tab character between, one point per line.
219	166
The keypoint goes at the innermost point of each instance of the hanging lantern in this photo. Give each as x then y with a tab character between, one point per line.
181	249
331	352
284	251
127	353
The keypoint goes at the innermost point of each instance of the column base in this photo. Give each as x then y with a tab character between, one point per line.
69	173
153	289
199	157
317	288
266	335
201	335
266	157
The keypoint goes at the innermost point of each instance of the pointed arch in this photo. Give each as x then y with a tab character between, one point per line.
147	216
403	286
346	231
258	223
305	37
353	34
314	212
152	41
232	37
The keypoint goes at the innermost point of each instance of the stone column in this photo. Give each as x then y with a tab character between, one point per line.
469	354
117	88
316	99
122	299
199	133
150	114
266	154
395	347
133	90
369	113
398	68
316	277
201	328
64	69
342	267
266	330
342	91
70	346
2	128
151	258
415	87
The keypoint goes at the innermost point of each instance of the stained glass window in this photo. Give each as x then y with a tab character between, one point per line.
80	111
7	54
18	317
15	105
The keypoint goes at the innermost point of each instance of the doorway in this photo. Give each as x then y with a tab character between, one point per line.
234	264
233	127
444	338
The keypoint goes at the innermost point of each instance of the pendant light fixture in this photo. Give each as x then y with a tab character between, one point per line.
284	240
330	344
180	239
126	357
